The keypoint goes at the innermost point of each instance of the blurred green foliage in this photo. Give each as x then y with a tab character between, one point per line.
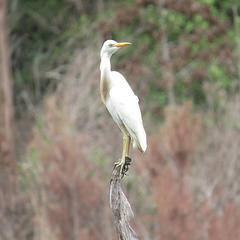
200	39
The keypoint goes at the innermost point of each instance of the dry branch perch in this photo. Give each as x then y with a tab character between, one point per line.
121	208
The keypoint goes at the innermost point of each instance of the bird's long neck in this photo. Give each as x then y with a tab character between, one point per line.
105	68
105	65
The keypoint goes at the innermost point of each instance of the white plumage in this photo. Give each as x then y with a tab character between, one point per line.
121	101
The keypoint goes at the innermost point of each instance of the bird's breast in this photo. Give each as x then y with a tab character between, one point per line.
104	89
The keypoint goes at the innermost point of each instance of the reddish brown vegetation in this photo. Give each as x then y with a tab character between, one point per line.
227	226
180	134
72	197
71	186
66	192
180	217
72	200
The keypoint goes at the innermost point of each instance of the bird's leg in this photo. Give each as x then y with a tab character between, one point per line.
122	162
128	146
127	158
125	146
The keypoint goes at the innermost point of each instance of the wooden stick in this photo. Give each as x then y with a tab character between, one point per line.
121	208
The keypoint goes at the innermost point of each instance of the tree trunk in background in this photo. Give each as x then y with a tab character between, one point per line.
236	24
7	145
168	75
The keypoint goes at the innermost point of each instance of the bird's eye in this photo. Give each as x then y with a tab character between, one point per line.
111	45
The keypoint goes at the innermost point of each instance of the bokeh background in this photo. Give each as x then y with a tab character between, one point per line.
58	143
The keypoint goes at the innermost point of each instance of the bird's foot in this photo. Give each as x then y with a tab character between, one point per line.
127	164
124	165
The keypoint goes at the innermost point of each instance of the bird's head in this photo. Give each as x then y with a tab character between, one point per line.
110	47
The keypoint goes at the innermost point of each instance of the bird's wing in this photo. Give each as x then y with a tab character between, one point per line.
123	106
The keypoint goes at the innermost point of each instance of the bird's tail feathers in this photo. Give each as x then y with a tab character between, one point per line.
141	145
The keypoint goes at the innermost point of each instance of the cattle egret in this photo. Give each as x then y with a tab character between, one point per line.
121	103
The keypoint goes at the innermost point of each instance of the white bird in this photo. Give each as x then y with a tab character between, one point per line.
121	102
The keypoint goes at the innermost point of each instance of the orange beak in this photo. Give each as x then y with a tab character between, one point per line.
122	44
